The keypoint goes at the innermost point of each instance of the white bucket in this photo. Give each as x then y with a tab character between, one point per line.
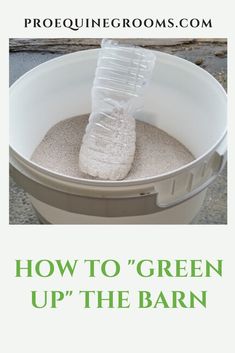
182	99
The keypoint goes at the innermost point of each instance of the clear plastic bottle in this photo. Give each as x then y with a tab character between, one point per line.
108	147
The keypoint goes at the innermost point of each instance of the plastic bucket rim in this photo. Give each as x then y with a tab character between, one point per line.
109	183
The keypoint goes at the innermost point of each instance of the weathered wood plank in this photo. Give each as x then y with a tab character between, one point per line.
67	45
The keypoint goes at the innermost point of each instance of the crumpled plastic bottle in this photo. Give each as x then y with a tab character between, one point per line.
108	146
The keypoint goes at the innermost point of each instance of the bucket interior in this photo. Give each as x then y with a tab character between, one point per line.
182	99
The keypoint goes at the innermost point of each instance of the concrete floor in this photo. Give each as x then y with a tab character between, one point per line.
214	210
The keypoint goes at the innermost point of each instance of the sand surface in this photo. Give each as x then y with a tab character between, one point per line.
156	151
